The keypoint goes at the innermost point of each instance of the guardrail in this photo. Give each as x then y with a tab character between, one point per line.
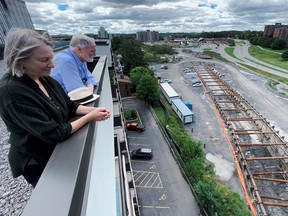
79	178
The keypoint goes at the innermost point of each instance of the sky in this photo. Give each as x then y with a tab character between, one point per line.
130	16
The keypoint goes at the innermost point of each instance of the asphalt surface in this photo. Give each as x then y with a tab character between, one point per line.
253	87
206	127
161	188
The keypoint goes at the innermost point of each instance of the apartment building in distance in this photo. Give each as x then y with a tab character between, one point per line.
102	33
276	31
147	36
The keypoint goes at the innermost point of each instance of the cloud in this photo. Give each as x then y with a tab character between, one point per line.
130	16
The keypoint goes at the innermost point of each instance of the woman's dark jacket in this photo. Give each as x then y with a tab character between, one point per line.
36	122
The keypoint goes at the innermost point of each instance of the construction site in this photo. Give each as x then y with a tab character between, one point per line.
259	151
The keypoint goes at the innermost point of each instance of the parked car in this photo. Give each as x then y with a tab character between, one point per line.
166	81
135	127
164	67
197	85
187	70
142	153
196	82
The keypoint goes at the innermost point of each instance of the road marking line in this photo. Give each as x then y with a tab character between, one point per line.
139	161
143	179
147	179
136	137
139	176
140	144
156	207
163	197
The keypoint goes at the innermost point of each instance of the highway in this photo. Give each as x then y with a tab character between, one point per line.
243	56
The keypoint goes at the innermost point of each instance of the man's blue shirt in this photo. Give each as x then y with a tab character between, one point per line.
70	72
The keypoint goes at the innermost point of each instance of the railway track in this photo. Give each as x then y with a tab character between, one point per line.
261	154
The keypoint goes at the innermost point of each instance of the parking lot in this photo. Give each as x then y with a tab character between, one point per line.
206	127
160	185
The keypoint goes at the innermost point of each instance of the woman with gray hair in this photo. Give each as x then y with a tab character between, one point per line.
33	105
71	64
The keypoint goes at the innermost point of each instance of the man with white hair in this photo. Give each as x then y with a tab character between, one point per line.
71	64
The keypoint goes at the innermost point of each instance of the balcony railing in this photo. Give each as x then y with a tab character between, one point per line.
79	178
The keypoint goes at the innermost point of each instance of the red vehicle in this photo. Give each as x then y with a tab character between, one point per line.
135	127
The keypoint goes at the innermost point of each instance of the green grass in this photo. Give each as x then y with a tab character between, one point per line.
240	42
260	63
128	115
267	56
207	49
272	50
215	55
265	73
273	58
230	51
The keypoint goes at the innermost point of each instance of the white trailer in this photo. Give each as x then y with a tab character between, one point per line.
169	93
183	112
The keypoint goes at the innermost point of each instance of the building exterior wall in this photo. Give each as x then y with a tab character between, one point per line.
147	36
269	30
102	33
125	89
13	13
276	31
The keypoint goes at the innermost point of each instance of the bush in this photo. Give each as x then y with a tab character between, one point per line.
278	44
284	55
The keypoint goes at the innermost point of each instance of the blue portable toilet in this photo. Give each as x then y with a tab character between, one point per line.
189	105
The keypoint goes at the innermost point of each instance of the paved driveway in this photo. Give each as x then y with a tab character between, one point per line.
161	187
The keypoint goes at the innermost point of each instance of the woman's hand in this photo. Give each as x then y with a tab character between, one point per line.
99	114
89	114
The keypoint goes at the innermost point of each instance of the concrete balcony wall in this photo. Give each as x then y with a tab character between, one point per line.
79	178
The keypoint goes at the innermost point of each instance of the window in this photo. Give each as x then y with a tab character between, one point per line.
4	4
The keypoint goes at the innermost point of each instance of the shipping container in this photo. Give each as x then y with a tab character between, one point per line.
182	111
168	92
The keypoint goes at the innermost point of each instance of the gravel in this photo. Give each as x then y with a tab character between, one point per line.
14	193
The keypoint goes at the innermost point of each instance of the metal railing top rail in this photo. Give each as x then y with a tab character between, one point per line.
81	168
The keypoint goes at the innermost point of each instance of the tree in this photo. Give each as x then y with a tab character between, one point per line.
231	42
284	56
278	44
130	50
267	41
137	73
116	43
132	55
147	90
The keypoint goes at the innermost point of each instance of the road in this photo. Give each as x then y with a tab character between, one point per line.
243	56
161	188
